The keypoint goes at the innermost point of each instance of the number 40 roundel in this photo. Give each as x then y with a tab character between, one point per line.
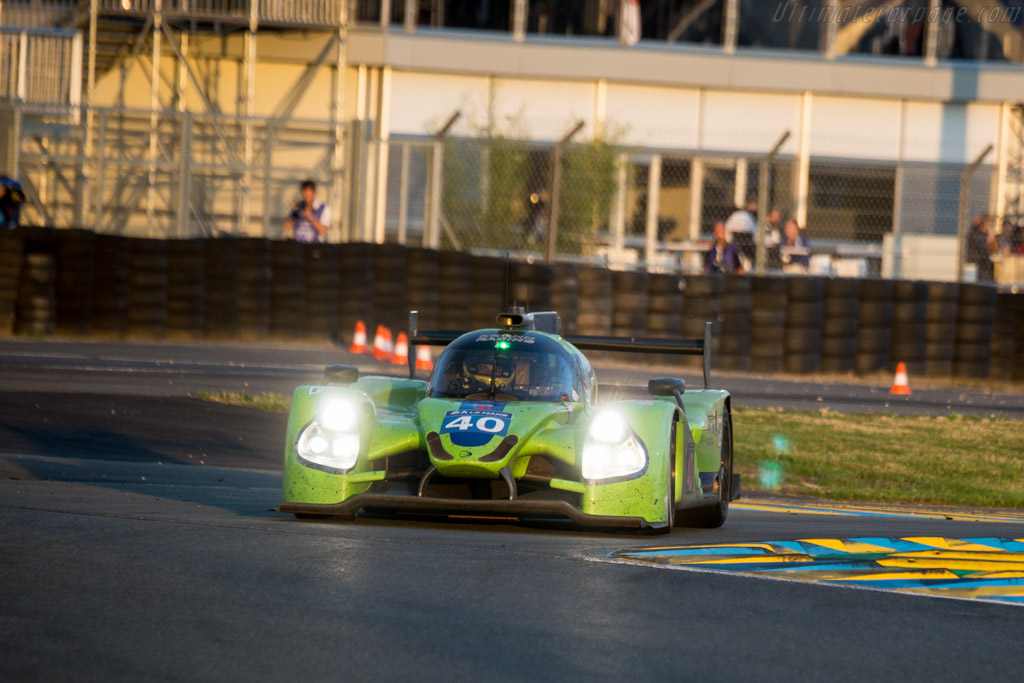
466	421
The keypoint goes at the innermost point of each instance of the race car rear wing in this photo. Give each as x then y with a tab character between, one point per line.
679	347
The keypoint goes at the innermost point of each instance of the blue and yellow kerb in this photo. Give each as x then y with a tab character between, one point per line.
976	568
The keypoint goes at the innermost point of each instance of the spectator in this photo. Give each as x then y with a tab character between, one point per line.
1005	238
1018	240
740	229
723	257
795	249
11	197
981	244
309	219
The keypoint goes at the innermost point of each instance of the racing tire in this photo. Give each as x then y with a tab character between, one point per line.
842	308
714	516
768	317
842	288
703	286
805	289
670	502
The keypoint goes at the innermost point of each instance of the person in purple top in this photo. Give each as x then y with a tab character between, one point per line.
309	219
723	257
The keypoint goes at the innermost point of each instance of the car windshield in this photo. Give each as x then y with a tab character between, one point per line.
506	367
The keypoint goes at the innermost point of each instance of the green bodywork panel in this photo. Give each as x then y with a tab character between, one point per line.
399	416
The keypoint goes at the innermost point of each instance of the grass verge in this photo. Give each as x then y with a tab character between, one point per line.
271	402
949	460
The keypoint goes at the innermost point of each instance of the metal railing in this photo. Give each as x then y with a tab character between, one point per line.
41	67
308	13
36	14
97	169
924	29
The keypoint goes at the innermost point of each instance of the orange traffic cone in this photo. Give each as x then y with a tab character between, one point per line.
359	338
901	386
423	359
401	354
380	350
389	344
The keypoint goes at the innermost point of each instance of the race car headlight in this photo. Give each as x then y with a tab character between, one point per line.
338	415
609	426
332	440
611	449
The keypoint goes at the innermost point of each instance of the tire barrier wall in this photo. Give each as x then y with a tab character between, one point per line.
11	246
186	287
975	316
702	303
737	304
76	258
874	334
839	326
77	283
805	310
909	326
35	310
940	328
767	323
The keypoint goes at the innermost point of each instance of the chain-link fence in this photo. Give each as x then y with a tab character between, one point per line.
630	207
181	175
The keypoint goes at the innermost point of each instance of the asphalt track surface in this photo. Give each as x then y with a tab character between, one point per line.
138	541
182	369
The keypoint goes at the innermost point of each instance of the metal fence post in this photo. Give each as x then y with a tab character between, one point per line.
268	164
101	158
619	215
653	206
22	86
730	26
763	199
184	174
412	8
964	216
897	223
551	239
931	35
520	12
403	195
432	234
831	29
696	198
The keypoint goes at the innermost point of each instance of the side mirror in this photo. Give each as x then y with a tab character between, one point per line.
667	386
340	374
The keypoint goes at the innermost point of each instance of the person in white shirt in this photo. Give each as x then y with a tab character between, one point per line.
741	229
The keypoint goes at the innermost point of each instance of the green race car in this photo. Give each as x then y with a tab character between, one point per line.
509	426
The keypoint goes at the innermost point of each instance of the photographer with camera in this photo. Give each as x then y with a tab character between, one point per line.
309	219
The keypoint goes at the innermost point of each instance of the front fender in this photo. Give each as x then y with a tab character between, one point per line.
380	434
644	495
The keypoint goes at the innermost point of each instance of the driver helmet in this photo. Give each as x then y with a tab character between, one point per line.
482	367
